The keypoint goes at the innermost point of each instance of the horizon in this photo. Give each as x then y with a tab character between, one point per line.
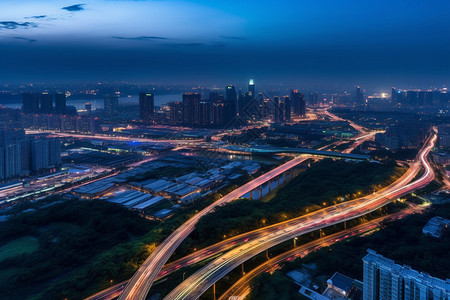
380	43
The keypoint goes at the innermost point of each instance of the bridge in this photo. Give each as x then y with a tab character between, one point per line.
262	150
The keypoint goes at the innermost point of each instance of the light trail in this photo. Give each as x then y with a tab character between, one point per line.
200	281
241	288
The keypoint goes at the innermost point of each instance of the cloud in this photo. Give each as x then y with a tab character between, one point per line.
37	17
75	7
185	44
16	25
140	38
23	39
239	38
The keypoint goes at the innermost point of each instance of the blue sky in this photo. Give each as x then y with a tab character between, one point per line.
293	42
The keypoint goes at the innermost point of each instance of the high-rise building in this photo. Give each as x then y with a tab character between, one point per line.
314	99
251	88
298	103
384	279
191	111
276	109
10	151
146	106
205	111
39	154
10	118
111	105
230	93
46	100
88	107
359	96
175	112
30	103
60	103
287	109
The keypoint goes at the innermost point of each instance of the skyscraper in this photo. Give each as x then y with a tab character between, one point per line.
46	100
384	279
10	151
251	88
359	96
175	112
230	93
191	108
297	101
314	99
287	109
111	105
60	103
30	103
146	106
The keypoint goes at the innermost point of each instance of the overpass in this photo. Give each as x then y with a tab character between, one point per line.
262	150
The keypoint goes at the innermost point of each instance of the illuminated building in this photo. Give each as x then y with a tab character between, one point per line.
191	111
111	106
46	100
298	103
384	279
359	96
146	106
251	88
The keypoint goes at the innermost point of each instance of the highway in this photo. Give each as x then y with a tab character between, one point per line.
199	282
112	138
241	288
142	280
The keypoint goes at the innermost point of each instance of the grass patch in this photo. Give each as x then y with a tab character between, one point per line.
25	244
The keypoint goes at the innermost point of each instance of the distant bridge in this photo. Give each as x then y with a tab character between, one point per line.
261	150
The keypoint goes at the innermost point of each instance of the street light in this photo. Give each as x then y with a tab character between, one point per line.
296	238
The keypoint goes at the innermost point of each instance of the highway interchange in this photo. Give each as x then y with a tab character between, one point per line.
195	285
198	283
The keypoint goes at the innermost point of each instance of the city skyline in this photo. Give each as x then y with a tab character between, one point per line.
325	42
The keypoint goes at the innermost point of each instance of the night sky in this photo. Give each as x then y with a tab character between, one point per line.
385	42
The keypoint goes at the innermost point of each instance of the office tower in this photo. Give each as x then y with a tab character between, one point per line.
46	100
287	109
314	99
146	106
298	103
251	88
60	103
191	108
204	109
111	106
175	112
384	279
30	103
230	93
359	96
266	107
217	113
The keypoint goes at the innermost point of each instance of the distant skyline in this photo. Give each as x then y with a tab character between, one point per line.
324	42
